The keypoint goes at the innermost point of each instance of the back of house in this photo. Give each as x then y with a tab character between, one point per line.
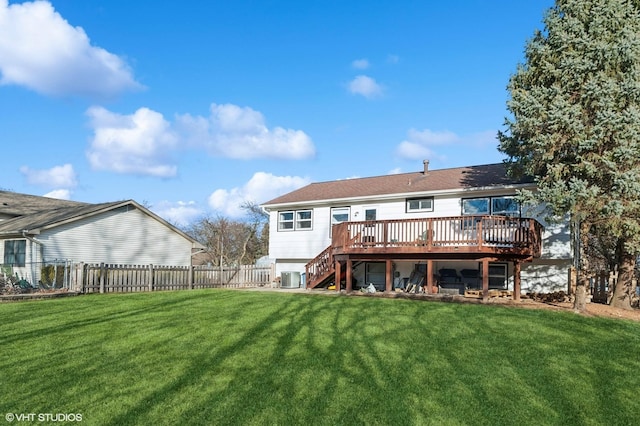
459	207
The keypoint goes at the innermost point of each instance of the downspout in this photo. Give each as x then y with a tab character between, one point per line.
39	243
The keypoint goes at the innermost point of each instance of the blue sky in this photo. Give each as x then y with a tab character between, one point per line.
193	107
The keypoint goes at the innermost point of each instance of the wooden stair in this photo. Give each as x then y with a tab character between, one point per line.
320	269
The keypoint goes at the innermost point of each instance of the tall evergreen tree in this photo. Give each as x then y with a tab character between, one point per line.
575	124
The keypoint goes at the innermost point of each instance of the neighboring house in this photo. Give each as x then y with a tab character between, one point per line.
35	231
456	229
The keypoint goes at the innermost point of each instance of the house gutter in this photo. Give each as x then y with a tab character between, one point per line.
32	239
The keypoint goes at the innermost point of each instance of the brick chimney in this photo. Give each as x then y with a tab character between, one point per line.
426	166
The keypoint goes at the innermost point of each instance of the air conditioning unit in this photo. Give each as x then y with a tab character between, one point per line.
290	280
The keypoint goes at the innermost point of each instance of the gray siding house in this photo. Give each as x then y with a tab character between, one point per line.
37	230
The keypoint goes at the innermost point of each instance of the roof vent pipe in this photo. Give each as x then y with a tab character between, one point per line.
426	166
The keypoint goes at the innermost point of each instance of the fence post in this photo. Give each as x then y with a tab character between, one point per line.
150	277
79	277
102	277
190	277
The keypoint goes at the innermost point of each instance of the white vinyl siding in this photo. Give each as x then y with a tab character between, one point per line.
121	236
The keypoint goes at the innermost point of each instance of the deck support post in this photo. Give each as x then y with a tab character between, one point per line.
485	279
349	271
516	281
389	276
338	274
429	276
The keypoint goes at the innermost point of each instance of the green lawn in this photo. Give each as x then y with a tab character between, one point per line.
240	357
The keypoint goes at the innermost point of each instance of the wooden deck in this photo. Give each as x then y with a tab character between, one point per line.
448	238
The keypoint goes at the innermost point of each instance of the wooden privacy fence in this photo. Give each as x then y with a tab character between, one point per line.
108	278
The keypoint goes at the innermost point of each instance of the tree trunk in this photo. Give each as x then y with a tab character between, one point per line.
580	302
623	287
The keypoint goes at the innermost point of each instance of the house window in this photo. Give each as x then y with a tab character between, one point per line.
370	214
420	205
339	215
294	220
498	276
506	206
303	219
475	206
285	221
15	252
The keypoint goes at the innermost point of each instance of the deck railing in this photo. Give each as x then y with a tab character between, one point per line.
321	265
504	236
489	233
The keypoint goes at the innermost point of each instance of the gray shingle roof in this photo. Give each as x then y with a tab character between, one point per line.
51	216
15	204
460	178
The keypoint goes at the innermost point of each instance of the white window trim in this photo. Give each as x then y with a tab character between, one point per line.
333	222
408	209
298	220
295	221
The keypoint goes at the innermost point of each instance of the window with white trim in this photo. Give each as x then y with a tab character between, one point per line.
339	215
292	220
15	252
303	219
285	221
420	205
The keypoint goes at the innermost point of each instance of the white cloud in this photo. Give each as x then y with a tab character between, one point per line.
430	138
237	132
260	188
40	50
412	151
60	194
429	144
58	176
419	144
180	213
365	86
395	171
360	64
137	144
